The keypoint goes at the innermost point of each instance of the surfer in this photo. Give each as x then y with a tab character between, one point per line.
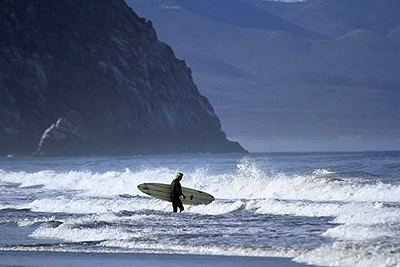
176	193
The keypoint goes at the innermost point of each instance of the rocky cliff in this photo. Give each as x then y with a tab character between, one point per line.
90	77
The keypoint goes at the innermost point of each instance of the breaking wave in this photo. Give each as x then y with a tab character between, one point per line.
246	182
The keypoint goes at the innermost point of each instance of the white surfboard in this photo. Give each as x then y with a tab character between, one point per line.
163	191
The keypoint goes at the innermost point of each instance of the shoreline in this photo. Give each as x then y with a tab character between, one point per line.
92	259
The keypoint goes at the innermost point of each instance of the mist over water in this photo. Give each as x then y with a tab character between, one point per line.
340	209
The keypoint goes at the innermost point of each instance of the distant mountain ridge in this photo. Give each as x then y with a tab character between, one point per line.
277	90
242	14
334	18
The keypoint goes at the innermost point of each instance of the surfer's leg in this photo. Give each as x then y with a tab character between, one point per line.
174	205
181	208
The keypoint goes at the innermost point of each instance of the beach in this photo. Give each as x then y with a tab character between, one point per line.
61	259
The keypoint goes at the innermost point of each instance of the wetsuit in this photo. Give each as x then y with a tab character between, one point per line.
176	192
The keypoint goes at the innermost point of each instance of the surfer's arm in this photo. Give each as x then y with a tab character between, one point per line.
180	190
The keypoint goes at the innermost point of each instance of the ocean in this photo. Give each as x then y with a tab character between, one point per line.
327	209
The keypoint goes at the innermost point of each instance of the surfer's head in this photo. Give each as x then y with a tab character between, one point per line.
179	175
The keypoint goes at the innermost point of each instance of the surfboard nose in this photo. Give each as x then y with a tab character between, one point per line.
142	187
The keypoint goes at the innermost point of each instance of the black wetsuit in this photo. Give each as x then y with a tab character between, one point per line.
176	192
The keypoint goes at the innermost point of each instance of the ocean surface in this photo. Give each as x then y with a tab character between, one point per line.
336	209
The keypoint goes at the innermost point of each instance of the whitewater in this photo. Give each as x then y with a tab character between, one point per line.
327	209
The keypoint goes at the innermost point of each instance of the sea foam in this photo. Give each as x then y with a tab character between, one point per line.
246	182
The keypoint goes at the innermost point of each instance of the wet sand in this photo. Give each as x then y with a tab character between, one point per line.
61	259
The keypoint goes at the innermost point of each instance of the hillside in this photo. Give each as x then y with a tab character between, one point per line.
276	90
91	77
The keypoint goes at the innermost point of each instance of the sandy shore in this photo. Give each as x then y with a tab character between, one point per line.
61	259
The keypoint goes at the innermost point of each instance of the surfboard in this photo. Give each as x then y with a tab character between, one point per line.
163	191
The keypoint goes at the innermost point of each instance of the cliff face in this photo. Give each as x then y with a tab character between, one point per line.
83	77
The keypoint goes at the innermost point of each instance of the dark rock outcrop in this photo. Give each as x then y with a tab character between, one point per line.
68	135
95	73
